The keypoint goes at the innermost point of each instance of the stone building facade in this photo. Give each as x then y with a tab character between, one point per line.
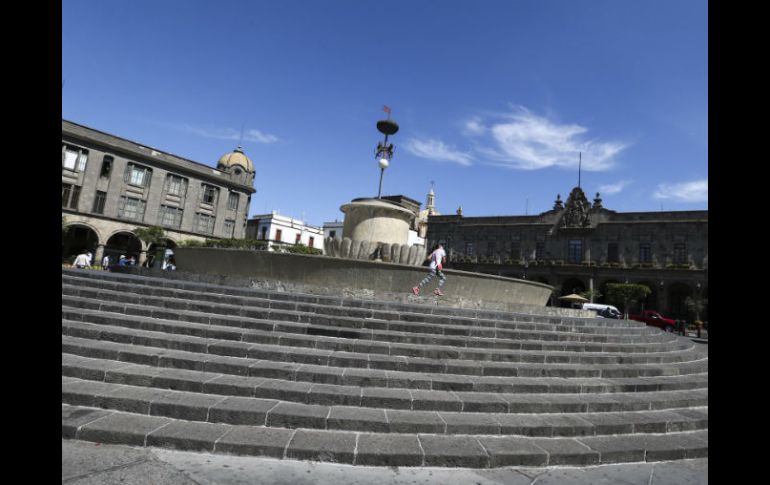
580	245
112	186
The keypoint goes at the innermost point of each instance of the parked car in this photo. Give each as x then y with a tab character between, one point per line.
602	310
655	319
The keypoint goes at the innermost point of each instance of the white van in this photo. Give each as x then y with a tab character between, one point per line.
608	311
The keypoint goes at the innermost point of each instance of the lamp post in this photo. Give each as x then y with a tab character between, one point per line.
384	150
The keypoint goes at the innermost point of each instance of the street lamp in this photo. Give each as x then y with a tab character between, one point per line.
384	150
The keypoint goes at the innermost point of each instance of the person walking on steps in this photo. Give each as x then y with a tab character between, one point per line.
437	259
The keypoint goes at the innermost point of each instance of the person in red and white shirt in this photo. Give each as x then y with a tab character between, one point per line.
437	259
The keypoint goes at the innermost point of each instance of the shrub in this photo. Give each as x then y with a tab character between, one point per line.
302	249
252	244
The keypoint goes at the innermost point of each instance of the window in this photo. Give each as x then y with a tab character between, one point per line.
70	194
540	250
332	234
232	201
229	228
680	253
99	200
131	208
106	166
277	234
575	251
205	223
298	239
470	249
311	242
74	158
137	175
612	253
209	194
645	256
171	216
264	233
176	185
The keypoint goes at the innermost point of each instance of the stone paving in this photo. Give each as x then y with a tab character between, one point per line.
86	463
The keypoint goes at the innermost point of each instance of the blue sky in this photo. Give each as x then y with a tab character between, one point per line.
495	99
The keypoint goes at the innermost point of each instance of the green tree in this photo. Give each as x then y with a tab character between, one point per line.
151	235
696	305
592	295
624	294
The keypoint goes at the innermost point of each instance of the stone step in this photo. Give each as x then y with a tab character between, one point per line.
384	449
214	408
139	352
378	328
216	382
74	306
316	337
336	306
313	315
446	361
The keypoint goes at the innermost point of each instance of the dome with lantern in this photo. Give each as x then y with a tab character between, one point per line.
235	158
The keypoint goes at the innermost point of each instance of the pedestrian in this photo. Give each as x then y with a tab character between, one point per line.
82	260
437	259
122	261
106	261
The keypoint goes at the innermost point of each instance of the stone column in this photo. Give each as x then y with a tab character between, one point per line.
98	255
662	300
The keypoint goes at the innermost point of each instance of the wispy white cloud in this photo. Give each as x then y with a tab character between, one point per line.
615	188
694	191
474	127
437	150
251	134
524	141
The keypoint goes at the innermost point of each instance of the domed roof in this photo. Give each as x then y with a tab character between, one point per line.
236	157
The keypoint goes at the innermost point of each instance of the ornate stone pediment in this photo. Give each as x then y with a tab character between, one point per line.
576	211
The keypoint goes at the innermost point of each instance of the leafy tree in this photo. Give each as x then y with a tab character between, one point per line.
696	305
623	294
591	295
151	235
64	227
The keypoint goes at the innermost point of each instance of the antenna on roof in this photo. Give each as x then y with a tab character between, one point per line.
580	164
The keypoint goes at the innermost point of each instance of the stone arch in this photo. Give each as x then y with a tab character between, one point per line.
156	252
78	238
569	286
123	242
677	294
572	285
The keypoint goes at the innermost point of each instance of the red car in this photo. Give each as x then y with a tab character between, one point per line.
651	317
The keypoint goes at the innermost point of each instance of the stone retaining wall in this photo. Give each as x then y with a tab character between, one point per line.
361	279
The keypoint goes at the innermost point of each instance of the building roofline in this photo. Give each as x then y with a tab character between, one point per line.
139	146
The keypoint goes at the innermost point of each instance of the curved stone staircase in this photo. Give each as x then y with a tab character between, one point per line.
168	363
